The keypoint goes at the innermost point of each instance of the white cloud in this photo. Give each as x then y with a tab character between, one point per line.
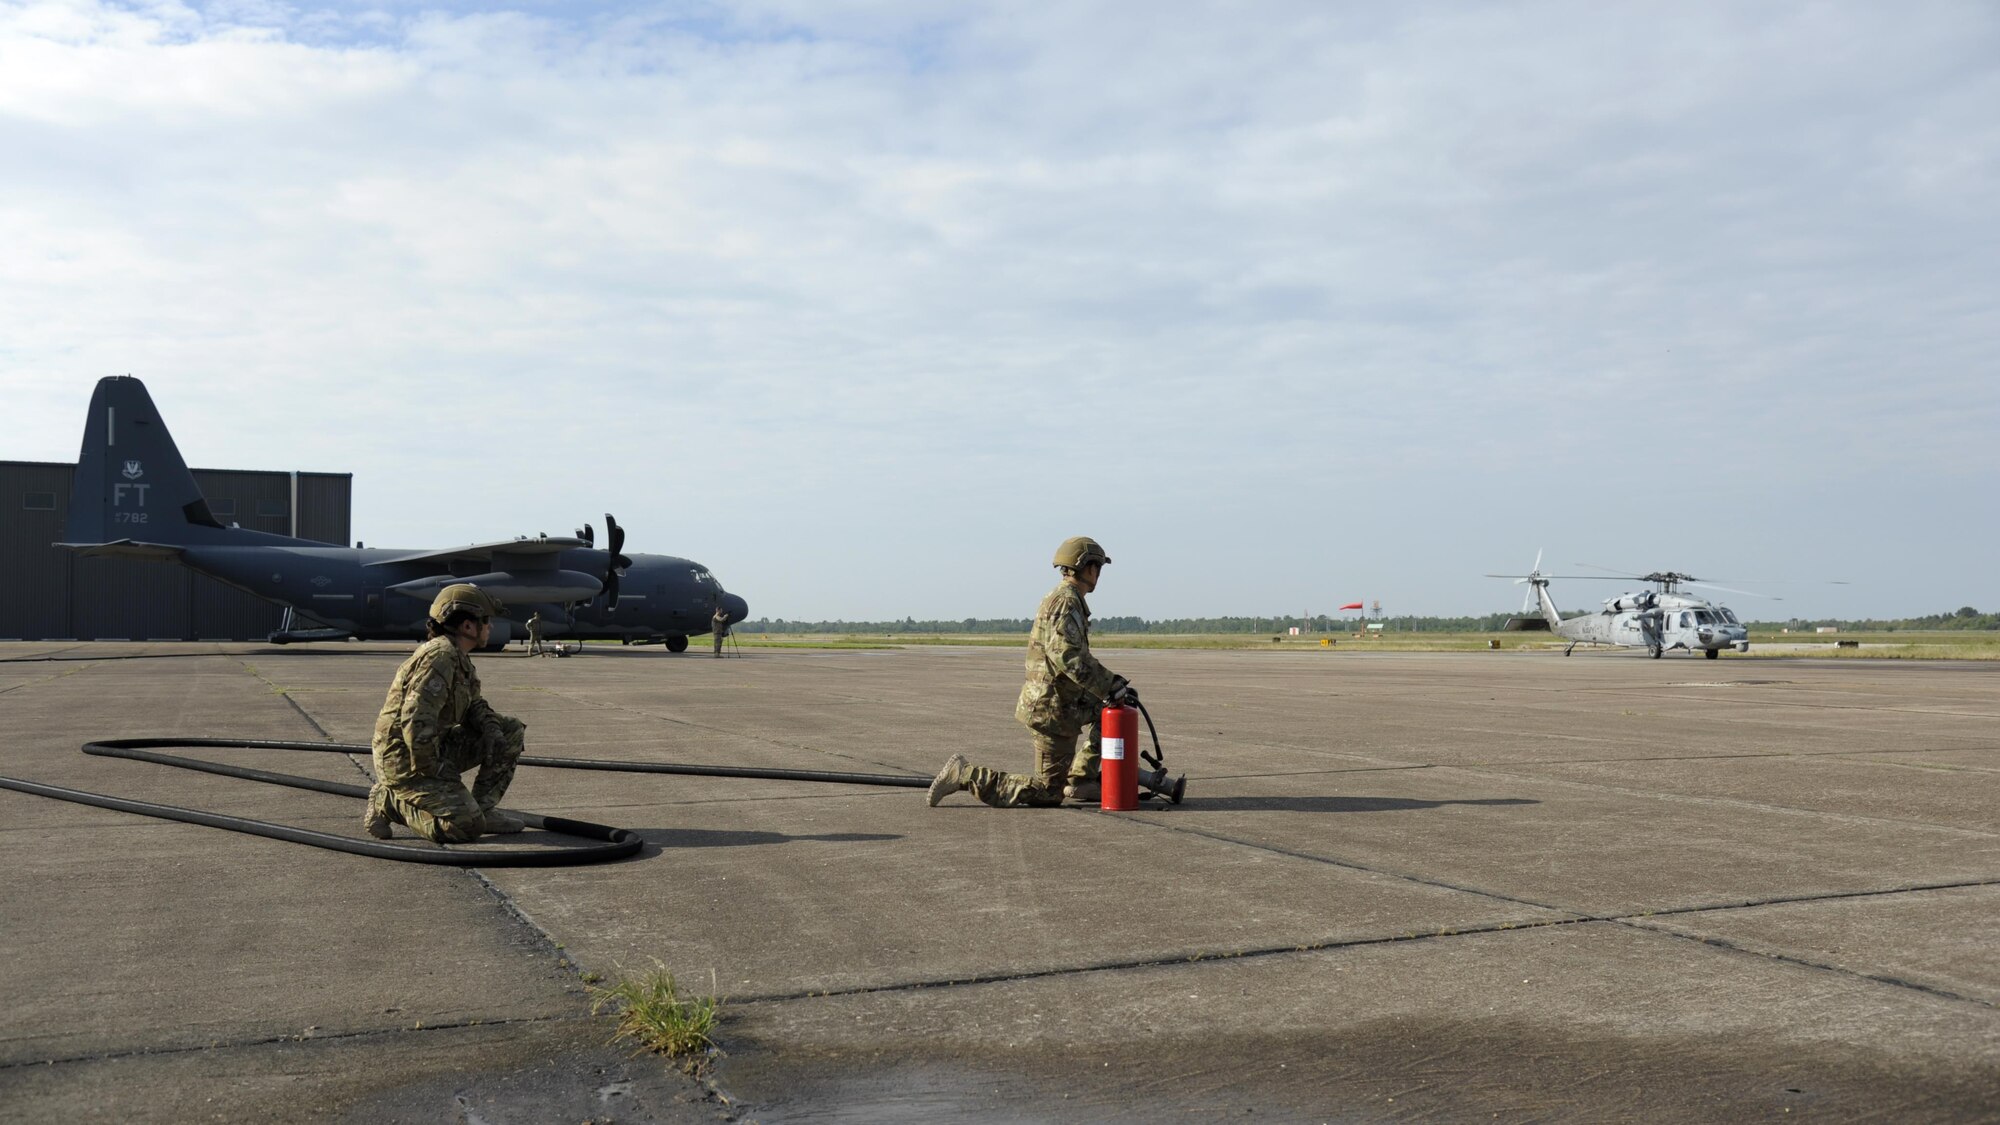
802	289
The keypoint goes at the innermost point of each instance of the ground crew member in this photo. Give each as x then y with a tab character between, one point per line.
719	626
434	726
1065	690
535	633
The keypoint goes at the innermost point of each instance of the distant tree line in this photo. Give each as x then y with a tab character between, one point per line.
1319	623
1962	618
1965	617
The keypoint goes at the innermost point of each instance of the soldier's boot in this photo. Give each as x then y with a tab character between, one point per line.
378	816
500	823
1083	790
949	780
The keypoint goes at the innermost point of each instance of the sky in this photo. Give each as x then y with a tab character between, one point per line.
868	304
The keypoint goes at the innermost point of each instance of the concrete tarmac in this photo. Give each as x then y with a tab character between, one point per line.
1414	886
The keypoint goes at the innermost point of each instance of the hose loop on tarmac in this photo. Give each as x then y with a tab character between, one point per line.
619	843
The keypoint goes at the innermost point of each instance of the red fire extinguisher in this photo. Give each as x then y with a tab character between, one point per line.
1118	769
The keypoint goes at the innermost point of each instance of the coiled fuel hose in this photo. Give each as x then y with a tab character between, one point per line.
618	843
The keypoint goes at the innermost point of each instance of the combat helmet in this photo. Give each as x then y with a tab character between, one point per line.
1079	551
464	596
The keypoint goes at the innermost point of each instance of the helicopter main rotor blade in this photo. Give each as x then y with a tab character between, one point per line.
1608	570
1734	590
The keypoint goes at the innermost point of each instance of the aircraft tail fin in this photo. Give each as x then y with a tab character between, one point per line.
131	485
1538	586
1549	612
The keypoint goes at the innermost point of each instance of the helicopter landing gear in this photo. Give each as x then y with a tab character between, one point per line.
1570	649
1714	654
1657	651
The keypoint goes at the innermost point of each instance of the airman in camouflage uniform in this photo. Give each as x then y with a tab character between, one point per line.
434	726
1065	690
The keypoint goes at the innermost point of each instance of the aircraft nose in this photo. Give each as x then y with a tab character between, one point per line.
735	607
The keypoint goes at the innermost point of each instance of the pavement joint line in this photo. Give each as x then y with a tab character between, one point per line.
43	680
1738	802
1578	915
1732	757
1332	861
1782	900
1171	961
275	1040
1788	959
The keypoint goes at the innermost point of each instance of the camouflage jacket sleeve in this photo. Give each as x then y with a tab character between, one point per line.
421	721
1068	646
479	714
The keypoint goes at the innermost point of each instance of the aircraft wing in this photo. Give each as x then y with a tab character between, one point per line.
524	549
124	549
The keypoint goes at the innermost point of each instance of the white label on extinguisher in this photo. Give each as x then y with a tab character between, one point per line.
1114	749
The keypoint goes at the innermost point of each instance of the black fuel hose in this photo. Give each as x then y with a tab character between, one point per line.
619	843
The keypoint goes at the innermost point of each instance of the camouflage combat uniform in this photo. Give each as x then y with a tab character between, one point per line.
719	625
433	727
1065	690
535	634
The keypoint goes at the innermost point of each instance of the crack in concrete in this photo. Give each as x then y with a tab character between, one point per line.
1635	921
1788	959
1737	802
1202	957
272	1040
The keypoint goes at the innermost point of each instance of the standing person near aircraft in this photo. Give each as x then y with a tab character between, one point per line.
719	626
435	725
535	633
1065	690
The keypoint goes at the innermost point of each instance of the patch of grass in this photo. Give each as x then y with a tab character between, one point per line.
651	1013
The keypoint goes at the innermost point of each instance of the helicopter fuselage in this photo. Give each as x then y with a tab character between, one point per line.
1658	622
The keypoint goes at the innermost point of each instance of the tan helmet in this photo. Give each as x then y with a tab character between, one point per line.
465	596
1080	551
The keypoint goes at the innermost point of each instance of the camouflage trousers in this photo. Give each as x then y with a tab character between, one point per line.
1058	762
440	808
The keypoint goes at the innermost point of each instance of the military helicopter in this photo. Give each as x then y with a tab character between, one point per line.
1656	620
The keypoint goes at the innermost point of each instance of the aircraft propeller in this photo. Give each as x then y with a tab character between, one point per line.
615	563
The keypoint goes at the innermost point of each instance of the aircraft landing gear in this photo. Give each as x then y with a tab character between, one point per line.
1570	649
1714	654
1657	650
677	643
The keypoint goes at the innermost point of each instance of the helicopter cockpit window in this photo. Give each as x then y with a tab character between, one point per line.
1702	617
1684	619
1729	615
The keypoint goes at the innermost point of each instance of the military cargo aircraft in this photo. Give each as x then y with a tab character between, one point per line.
134	497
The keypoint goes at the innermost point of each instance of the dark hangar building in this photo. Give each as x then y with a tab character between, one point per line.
47	593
